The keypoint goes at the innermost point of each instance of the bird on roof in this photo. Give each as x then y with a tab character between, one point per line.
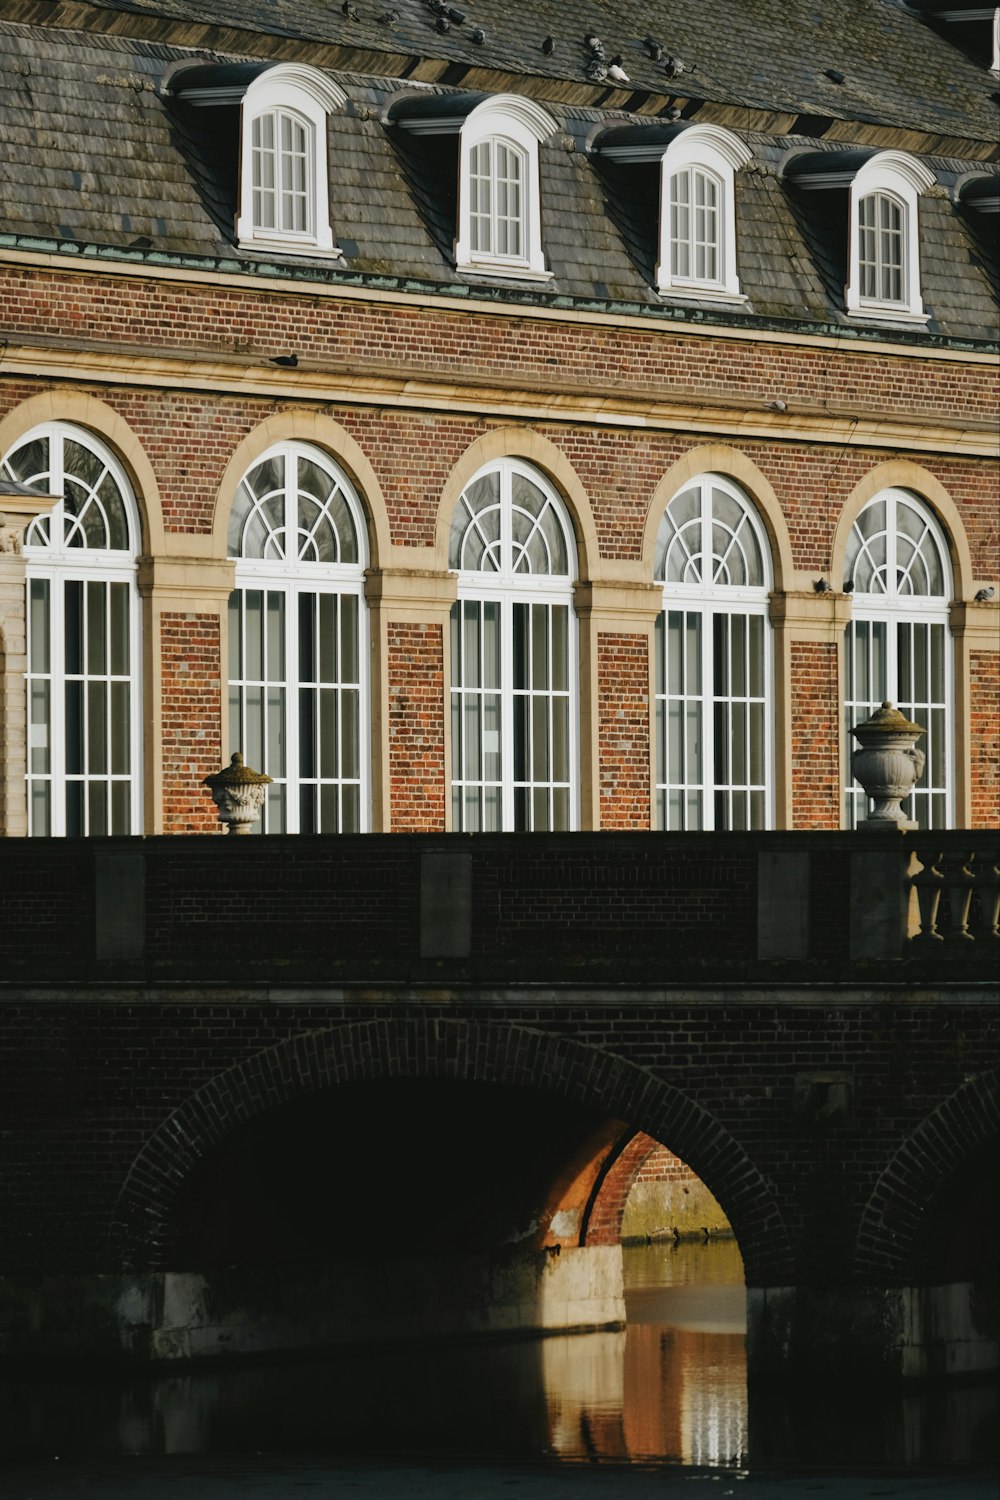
673	66
549	46
477	35
983	595
596	70
287	361
594	43
350	10
653	47
616	71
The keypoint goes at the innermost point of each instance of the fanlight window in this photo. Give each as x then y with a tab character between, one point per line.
713	667
897	644
513	656
297	636
83	637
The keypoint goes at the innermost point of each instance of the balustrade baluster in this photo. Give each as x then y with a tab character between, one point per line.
928	883
959	884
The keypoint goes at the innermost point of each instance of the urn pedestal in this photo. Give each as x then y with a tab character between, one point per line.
888	764
238	793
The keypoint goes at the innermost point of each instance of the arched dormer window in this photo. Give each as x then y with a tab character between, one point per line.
83	688
696	253
713	661
499	188
513	655
297	640
499	219
284	175
284	180
883	234
897	645
698	212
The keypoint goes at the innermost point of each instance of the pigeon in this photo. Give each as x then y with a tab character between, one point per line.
616	71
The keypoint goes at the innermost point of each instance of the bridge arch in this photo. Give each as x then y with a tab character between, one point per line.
891	1229
478	1052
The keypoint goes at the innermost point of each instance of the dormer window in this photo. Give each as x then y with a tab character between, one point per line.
697	222
284	176
284	180
499	228
883	248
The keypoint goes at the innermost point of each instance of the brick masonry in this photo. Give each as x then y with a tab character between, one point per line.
189	437
272	969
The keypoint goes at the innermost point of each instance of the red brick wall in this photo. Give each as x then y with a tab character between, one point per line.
191	742
816	795
417	770
984	734
642	1160
160	316
623	730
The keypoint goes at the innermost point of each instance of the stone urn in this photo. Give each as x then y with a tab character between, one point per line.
238	792
888	764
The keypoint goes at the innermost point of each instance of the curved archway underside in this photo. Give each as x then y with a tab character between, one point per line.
479	1052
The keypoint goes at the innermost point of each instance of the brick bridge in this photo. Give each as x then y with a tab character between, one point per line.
261	1093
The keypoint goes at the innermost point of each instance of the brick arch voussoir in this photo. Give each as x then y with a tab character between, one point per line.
891	1224
484	1052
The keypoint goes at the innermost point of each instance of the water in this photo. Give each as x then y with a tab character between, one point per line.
671	1386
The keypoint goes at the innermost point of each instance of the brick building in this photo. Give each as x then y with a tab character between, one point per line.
494	423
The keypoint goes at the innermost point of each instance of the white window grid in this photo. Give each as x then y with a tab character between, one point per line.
696	226
83	629
882	249
282	149
513	658
298	642
713	663
497	201
897	646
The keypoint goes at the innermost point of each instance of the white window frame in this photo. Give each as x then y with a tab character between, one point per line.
506	588
57	564
520	125
307	97
708	601
892	609
901	179
718	155
293	578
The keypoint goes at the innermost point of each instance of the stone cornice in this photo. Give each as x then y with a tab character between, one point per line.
187	581
415	594
340	384
811	616
978	623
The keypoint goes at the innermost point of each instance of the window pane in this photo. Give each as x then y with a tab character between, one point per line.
38	624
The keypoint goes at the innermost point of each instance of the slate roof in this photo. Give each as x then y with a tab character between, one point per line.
773	54
98	156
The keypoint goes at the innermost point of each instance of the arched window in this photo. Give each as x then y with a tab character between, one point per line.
897	642
284	172
698	212
500	210
513	655
84	699
882	190
297	640
713	661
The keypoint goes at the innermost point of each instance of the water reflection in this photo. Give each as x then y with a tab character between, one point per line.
671	1386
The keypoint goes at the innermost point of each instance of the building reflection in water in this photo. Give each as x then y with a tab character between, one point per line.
673	1385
